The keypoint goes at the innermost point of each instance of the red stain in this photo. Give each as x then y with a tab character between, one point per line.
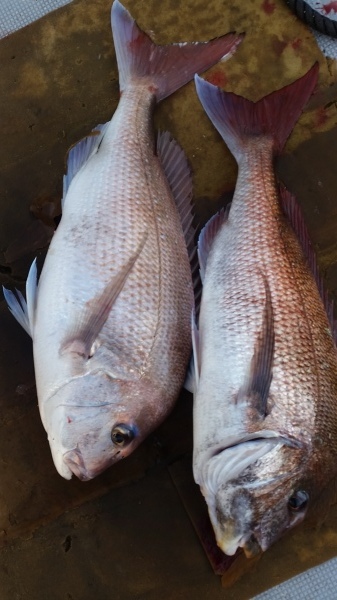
218	78
69	420
137	42
152	89
328	8
320	117
268	7
278	46
296	44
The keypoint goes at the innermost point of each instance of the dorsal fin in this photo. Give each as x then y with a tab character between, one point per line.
79	154
208	235
295	216
179	177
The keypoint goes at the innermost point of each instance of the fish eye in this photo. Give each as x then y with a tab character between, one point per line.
298	501
122	434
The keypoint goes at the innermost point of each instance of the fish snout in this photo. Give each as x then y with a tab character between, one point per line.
74	461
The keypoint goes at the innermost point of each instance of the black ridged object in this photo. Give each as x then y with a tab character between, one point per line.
313	18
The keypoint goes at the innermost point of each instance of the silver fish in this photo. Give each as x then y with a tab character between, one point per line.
265	425
110	316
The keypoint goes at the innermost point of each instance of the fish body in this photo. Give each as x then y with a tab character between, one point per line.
265	419
110	318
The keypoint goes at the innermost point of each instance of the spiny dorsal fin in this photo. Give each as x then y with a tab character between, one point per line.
81	340
79	154
295	216
179	177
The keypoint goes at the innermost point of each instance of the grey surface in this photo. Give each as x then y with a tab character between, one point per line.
15	14
319	582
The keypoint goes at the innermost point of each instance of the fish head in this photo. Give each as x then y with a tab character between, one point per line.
255	492
94	421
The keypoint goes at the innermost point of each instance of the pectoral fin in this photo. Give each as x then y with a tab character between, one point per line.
22	310
256	390
97	310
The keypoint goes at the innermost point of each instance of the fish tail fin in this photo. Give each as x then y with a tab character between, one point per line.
238	119
166	68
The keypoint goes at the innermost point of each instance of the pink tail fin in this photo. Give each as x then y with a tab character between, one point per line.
237	118
166	68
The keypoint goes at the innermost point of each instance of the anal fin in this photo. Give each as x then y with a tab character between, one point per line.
208	235
79	154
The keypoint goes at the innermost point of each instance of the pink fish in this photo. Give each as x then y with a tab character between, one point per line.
265	425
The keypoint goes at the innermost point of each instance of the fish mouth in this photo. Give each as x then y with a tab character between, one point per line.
251	547
74	461
249	544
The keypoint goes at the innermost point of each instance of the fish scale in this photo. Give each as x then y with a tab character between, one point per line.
137	316
110	316
265	419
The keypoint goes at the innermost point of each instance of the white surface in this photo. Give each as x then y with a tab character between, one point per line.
15	14
328	9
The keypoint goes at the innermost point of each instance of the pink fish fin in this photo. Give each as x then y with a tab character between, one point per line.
256	389
238	119
79	154
82	338
189	383
165	68
196	352
208	235
293	212
24	310
178	174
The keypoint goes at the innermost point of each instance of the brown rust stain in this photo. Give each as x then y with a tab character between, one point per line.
32	81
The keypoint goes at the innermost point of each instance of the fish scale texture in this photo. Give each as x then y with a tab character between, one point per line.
257	242
255	259
121	197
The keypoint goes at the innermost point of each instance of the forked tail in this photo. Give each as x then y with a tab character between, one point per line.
166	68
238	119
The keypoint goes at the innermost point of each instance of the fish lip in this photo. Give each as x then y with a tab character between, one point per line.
257	436
251	546
74	461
